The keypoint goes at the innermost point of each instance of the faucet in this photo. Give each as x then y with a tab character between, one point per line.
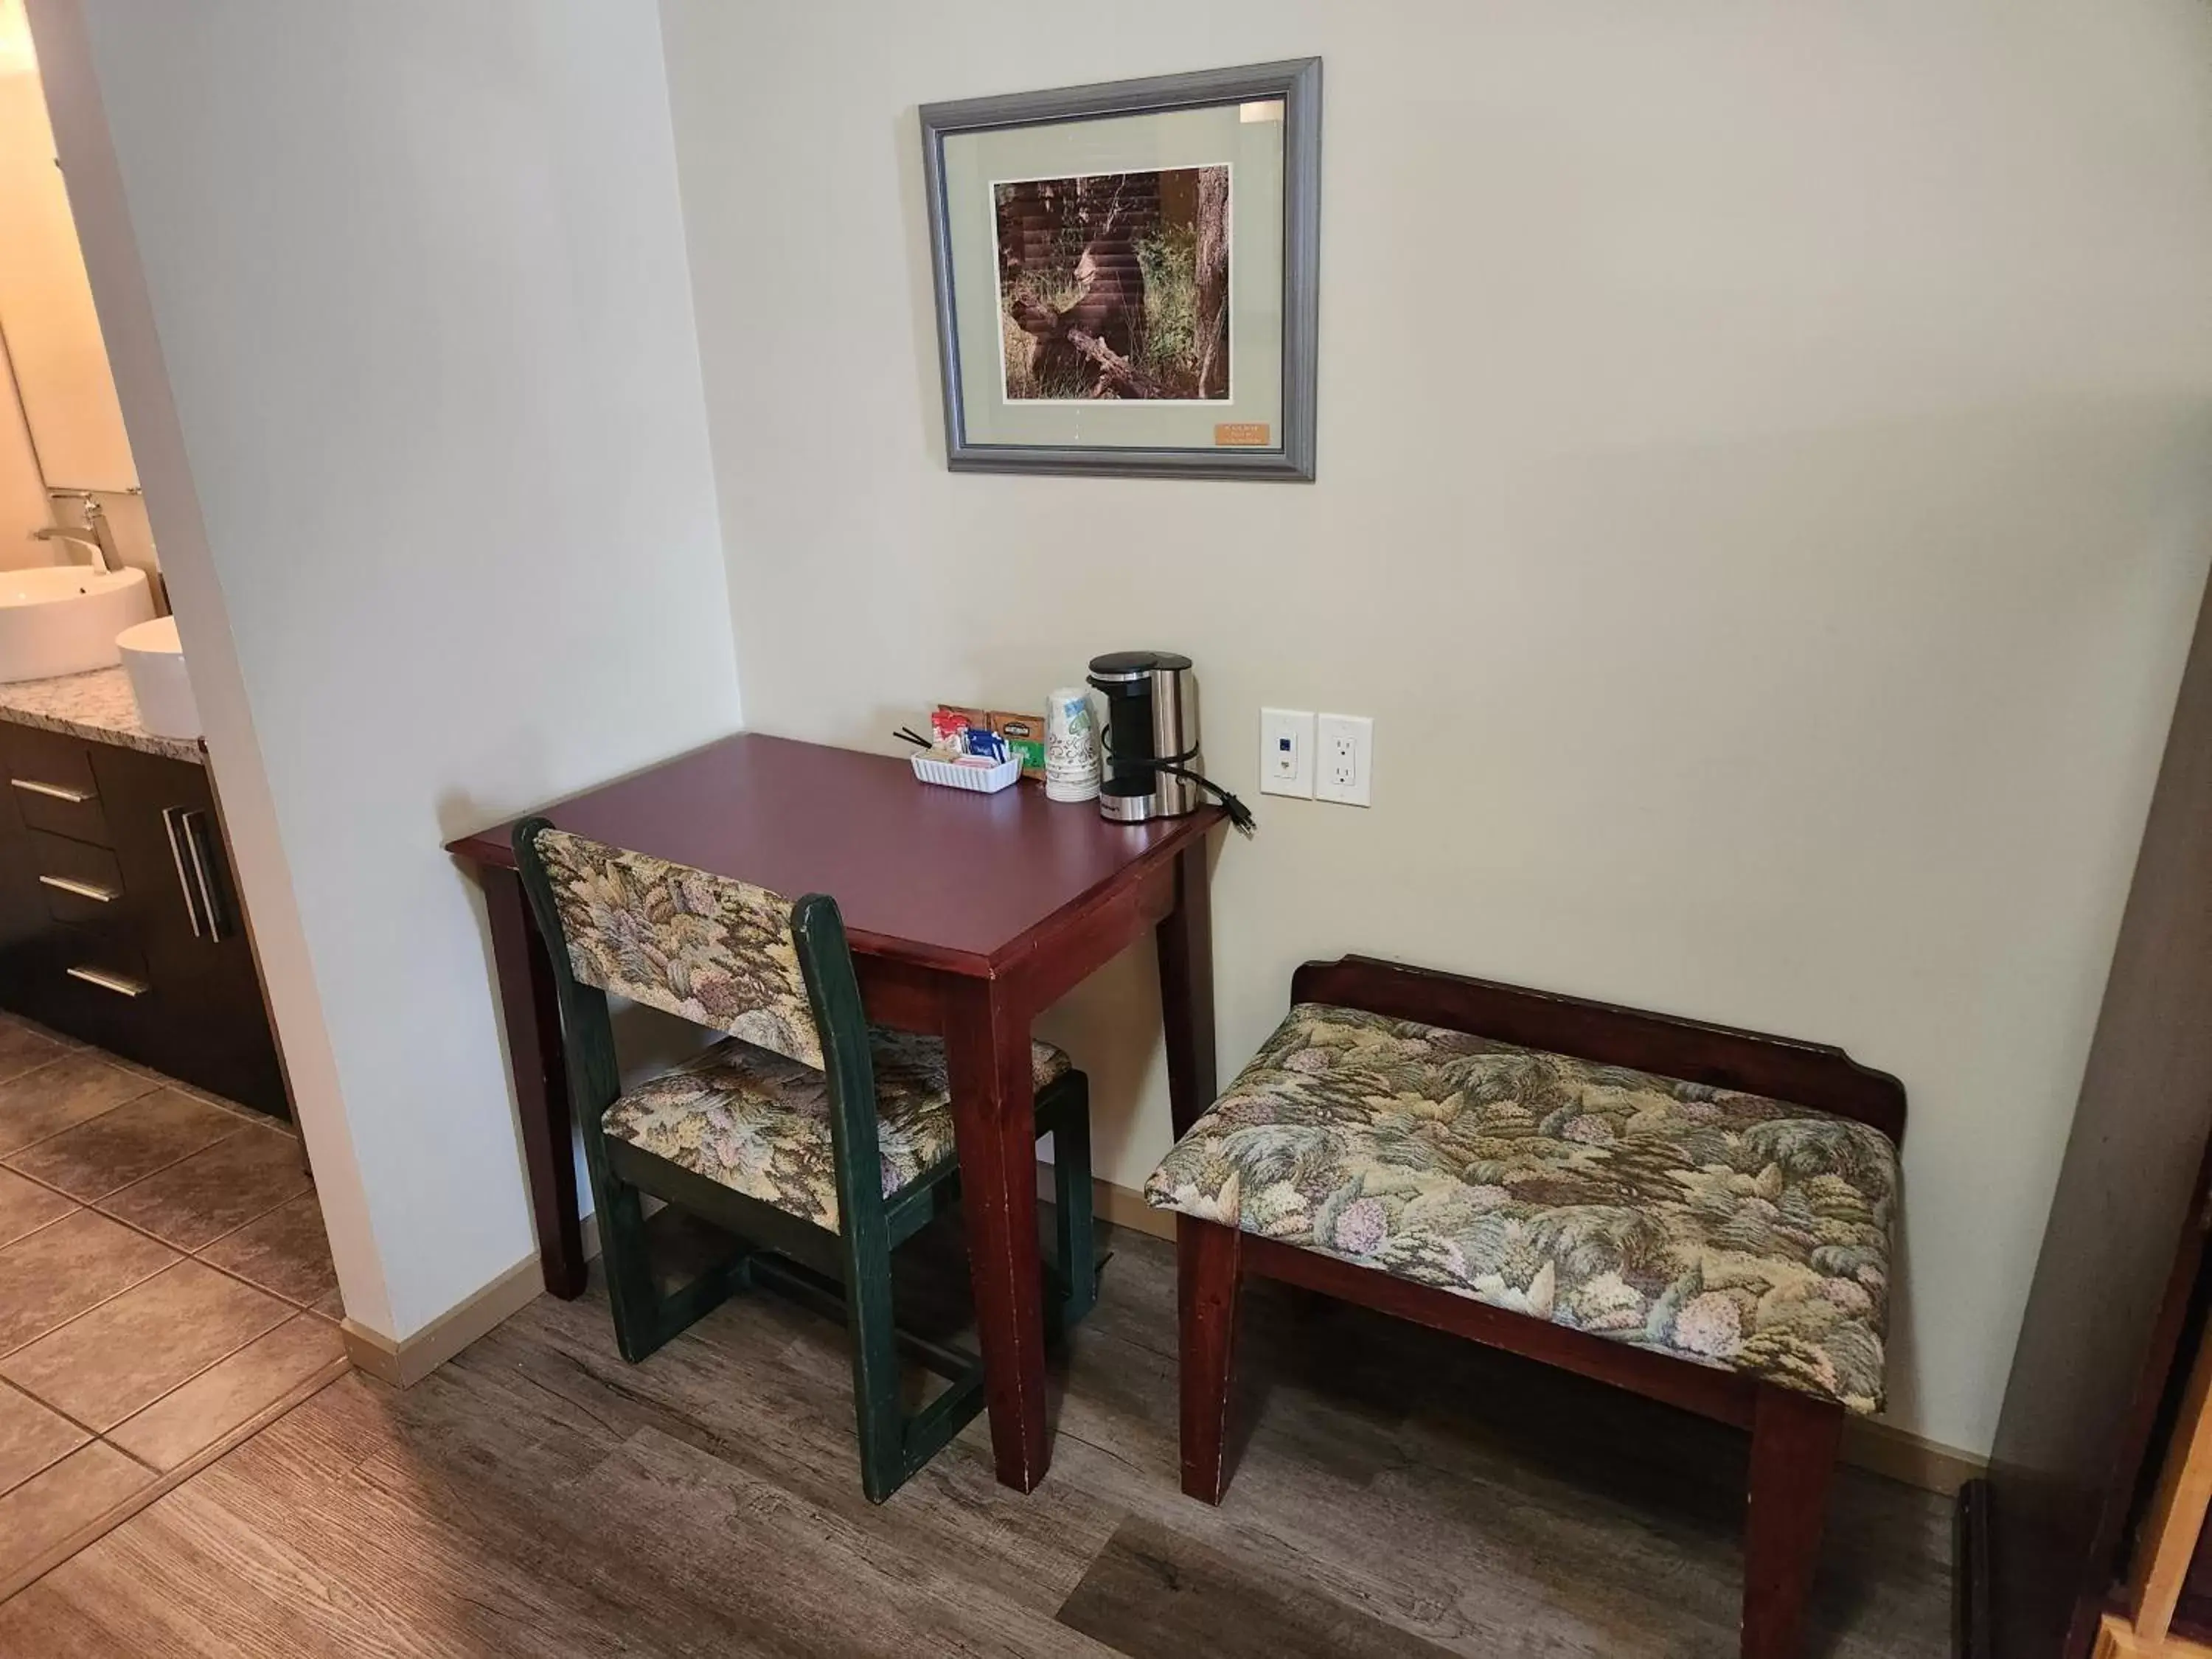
96	537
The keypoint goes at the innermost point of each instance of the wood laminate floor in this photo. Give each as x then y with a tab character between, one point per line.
1400	1494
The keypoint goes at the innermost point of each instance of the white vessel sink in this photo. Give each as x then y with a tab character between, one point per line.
155	663
62	619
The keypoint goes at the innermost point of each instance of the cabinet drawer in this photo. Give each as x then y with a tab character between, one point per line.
80	883
50	779
109	970
163	974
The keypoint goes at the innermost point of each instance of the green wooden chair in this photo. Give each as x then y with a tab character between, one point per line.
820	1143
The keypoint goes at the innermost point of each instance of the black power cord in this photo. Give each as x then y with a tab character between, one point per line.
1240	815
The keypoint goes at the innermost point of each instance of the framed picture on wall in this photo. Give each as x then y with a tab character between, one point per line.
1126	274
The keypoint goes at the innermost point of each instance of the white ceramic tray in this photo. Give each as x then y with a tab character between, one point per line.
983	780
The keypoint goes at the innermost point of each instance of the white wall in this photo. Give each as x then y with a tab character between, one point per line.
398	301
1766	481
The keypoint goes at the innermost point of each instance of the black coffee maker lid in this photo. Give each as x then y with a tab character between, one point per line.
1136	665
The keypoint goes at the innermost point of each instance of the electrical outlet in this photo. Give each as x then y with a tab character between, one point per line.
1344	759
1286	753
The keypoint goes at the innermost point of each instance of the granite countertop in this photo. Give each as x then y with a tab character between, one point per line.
98	707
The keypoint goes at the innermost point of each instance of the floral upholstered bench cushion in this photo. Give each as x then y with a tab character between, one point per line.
759	1123
1726	1229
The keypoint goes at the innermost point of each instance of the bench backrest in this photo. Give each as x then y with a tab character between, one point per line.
1805	1073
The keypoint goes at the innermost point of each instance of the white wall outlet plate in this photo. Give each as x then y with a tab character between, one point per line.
1344	759
1287	753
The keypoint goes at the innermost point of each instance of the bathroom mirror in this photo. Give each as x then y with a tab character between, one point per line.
46	318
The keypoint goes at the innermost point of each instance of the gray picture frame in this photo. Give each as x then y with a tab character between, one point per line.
1297	82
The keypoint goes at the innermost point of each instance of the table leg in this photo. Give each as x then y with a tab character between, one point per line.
987	1042
531	1009
1186	947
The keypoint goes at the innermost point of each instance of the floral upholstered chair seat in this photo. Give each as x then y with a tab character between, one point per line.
759	1122
1725	1228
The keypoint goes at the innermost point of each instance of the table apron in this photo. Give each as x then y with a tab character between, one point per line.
903	995
911	996
1083	941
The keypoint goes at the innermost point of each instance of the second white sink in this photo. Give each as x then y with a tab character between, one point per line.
155	663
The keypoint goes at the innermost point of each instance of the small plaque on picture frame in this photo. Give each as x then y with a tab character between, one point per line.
1126	274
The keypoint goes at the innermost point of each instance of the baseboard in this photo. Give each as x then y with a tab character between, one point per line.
408	1361
1882	1448
1119	1207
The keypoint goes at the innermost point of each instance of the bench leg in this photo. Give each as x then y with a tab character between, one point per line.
1206	1263
1793	1452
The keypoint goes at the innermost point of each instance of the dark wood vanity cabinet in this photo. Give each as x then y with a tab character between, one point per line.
119	923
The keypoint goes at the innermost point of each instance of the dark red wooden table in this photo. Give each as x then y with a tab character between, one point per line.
969	915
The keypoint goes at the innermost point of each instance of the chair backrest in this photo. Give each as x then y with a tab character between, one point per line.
710	949
719	952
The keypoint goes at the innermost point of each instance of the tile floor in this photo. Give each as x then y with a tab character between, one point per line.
164	1282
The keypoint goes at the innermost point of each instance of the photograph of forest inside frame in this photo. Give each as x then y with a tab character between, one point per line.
1115	285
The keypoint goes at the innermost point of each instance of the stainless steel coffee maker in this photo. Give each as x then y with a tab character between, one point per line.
1151	741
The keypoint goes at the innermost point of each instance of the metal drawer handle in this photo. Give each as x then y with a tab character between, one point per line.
115	983
200	862
169	816
52	791
83	889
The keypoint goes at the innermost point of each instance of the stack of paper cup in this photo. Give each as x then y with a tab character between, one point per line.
1071	746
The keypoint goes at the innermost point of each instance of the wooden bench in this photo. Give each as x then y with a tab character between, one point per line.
1699	1214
